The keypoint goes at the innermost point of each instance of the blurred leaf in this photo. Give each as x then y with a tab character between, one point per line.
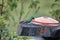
57	12
21	13
17	0
13	5
34	4
56	0
9	1
37	1
54	4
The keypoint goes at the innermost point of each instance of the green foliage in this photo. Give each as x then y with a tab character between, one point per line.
1	22
2	29
34	4
55	7
56	0
54	4
10	0
57	12
21	13
4	32
12	4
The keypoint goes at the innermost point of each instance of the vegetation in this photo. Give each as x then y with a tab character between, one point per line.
14	11
55	10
